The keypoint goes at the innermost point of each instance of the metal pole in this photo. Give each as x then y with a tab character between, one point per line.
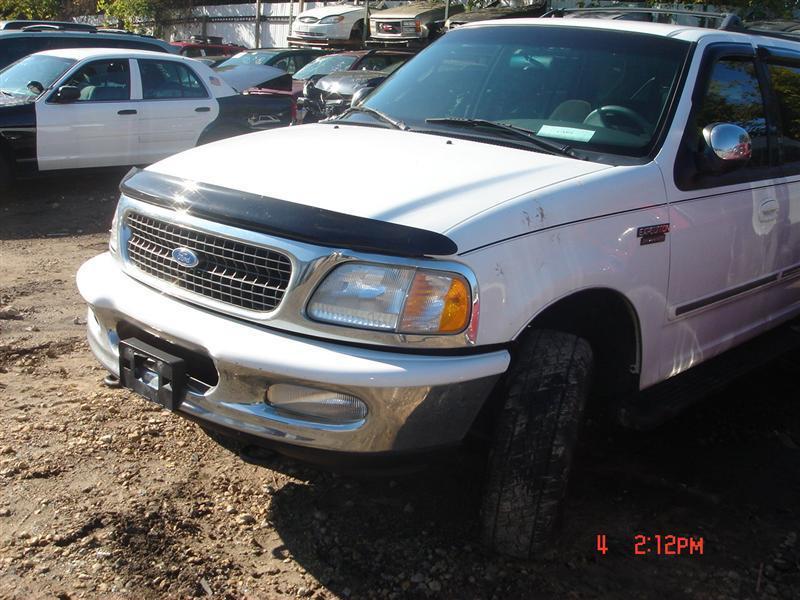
446	10
258	24
365	28
291	15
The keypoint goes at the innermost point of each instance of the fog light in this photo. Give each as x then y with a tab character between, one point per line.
313	404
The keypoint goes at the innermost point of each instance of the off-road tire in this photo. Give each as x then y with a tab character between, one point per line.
534	441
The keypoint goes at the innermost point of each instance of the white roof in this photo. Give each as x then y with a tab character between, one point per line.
83	53
681	32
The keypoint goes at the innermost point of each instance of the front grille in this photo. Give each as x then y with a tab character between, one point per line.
228	271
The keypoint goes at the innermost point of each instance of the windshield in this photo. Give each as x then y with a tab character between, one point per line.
594	90
45	70
325	65
259	57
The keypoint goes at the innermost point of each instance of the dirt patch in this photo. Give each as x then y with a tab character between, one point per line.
104	495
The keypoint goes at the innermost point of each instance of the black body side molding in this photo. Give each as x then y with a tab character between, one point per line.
284	219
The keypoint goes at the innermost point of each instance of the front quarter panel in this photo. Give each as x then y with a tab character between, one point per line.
579	237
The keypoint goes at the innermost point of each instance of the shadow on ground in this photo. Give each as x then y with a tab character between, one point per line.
60	205
727	471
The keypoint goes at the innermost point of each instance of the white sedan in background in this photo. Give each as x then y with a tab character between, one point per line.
335	22
98	107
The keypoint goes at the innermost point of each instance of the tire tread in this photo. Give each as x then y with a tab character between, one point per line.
535	434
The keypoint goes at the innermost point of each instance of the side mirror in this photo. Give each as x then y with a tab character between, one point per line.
36	87
67	93
727	146
359	96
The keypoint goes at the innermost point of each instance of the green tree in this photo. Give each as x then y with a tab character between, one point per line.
30	9
764	9
131	12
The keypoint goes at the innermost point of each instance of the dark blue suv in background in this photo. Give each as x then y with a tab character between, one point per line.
16	43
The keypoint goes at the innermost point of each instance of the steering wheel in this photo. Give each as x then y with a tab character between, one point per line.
611	115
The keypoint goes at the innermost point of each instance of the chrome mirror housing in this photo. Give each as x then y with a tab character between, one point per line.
729	143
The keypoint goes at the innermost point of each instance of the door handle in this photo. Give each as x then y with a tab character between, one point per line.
202	109
127	111
768	211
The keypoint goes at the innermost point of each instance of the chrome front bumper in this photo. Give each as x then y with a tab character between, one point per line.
415	402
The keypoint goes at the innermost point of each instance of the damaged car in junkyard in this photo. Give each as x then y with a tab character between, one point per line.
331	95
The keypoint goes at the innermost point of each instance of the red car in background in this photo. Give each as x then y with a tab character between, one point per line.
198	46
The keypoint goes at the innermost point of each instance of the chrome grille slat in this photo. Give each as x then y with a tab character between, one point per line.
230	271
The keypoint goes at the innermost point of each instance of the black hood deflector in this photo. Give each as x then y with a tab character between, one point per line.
285	219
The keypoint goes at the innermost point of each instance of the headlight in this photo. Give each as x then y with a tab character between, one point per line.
412	26
396	299
113	240
331	20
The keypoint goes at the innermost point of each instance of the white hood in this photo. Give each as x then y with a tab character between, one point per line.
427	181
333	9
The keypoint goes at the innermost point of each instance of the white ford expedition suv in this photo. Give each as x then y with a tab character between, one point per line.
564	210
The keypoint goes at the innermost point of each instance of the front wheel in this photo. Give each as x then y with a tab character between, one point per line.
534	442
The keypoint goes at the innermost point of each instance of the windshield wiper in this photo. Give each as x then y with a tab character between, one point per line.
378	114
517	132
6	93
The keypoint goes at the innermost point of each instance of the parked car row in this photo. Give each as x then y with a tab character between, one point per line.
414	24
100	107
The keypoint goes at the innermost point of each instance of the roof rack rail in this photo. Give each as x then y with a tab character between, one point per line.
787	33
728	21
48	26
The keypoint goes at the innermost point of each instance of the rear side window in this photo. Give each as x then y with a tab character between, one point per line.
734	96
786	86
163	79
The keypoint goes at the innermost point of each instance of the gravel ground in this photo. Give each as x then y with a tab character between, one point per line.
104	495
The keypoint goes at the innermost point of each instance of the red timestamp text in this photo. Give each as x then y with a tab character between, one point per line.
667	545
659	545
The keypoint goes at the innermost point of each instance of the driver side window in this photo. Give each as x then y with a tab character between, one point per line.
102	80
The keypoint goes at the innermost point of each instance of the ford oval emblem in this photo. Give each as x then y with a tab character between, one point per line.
185	257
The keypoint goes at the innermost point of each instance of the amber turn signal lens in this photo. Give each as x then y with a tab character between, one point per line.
436	304
455	314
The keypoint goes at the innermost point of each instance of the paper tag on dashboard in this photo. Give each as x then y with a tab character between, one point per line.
566	133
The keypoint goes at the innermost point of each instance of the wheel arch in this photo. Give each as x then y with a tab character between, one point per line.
357	26
608	320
